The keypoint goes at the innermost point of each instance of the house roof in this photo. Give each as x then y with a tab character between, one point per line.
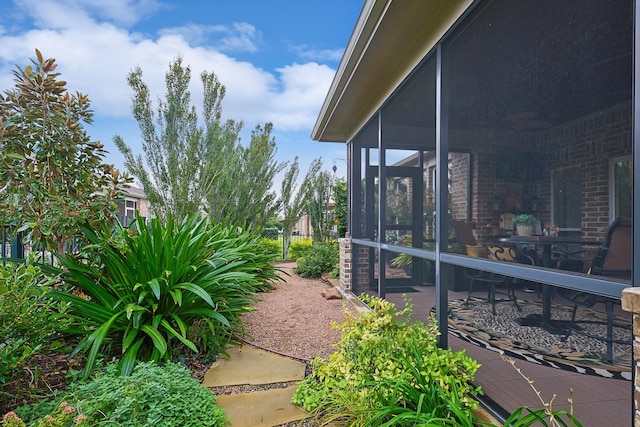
134	192
389	39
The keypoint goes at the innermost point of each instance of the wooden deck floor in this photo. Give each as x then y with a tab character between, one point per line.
597	401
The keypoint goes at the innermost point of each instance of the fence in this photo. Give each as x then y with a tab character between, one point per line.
12	246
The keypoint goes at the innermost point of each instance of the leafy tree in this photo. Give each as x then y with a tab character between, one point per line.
319	206
237	197
189	168
52	174
340	205
180	154
294	200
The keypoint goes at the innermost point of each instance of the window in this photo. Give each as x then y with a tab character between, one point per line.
567	199
130	208
620	182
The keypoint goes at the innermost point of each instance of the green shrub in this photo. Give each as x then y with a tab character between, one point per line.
322	258
335	272
270	233
148	285
271	247
254	259
300	249
377	355
151	396
27	317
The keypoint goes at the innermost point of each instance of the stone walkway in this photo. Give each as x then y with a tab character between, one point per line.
250	365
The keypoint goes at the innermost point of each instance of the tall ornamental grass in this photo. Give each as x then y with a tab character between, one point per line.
143	292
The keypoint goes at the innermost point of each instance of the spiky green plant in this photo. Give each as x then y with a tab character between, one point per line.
140	290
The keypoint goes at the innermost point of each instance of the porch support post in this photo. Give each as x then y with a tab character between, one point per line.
346	262
443	271
382	209
631	296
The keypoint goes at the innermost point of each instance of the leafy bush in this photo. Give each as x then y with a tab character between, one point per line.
27	317
151	396
379	356
322	258
271	247
255	259
145	288
270	233
335	272
300	249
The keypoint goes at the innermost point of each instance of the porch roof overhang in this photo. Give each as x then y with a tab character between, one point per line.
390	38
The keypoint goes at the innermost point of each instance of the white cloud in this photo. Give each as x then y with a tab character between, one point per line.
240	37
63	13
94	56
304	87
305	52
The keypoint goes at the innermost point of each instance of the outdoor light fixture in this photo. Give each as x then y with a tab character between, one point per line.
497	204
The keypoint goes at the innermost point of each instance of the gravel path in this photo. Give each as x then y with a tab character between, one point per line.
294	318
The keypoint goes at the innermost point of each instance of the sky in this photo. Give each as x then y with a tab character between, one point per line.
276	58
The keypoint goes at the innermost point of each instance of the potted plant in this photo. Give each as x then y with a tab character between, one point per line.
524	224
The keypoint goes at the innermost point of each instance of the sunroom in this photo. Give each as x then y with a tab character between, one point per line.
475	113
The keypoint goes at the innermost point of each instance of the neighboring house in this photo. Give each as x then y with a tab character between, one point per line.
134	201
303	226
491	108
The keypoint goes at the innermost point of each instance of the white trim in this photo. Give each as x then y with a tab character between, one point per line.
552	219
612	181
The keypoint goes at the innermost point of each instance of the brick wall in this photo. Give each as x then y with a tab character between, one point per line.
345	263
587	144
354	266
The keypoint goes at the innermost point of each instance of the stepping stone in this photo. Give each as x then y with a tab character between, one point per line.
247	364
261	408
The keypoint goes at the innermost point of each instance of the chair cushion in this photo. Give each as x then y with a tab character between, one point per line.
501	253
478	251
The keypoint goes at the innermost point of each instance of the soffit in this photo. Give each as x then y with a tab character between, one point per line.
389	40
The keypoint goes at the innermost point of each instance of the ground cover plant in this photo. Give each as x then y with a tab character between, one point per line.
144	292
380	357
152	395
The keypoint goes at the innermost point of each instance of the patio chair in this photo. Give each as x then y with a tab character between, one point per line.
490	281
613	259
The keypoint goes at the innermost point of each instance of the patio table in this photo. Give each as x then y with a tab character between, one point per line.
547	242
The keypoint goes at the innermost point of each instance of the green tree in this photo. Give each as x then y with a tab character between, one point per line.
237	197
190	168
319	206
294	200
340	205
180	154
52	174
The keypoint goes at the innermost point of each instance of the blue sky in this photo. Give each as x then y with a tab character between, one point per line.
277	59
